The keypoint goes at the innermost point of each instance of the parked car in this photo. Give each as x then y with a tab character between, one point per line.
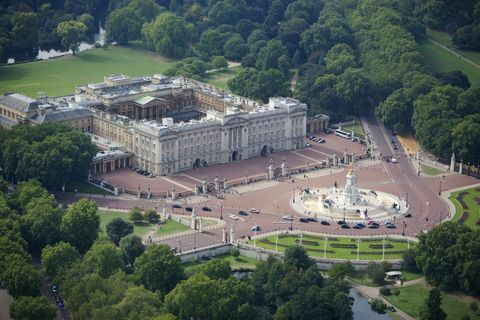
54	289
206	209
303	220
234	217
60	304
390	226
394	160
341	222
408	215
242	213
373	226
395	147
287	217
359	226
325	223
307	145
345	226
189	209
254	210
176	206
311	219
256	228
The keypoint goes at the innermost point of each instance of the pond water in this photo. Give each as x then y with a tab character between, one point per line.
39	54
361	308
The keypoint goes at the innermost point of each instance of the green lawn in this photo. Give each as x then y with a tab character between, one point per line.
83	186
362	278
219	78
440	60
473	208
59	76
366	253
430	171
359	132
171	227
238	263
445	39
411	299
140	229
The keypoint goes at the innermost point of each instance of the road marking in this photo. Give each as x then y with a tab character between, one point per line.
190	177
176	183
307	157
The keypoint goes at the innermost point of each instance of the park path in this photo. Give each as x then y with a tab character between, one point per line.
373	292
293	84
458	55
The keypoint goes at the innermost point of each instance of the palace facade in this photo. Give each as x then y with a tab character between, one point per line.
168	124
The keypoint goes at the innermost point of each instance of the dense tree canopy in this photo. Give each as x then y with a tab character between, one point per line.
32	308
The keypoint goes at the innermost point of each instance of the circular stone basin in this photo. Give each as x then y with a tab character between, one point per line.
328	203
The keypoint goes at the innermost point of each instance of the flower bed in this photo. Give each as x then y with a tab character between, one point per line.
460	199
343	245
463	217
307	242
377	252
380	246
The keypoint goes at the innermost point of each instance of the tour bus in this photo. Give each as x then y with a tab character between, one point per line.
343	134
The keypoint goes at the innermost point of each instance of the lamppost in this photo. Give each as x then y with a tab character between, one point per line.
221	212
404	226
440	188
291	224
344	214
195	239
293	199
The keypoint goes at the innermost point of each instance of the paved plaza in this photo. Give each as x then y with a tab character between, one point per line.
274	198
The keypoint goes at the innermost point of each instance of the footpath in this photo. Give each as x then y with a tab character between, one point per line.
373	292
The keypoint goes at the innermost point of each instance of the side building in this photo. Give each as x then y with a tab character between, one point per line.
168	124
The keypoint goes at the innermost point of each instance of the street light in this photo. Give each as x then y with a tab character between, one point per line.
343	214
440	188
221	212
293	195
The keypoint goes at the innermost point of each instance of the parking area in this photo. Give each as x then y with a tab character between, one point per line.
233	172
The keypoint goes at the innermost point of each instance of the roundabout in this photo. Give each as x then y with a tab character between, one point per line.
349	203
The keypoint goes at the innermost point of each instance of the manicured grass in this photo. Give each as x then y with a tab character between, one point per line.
82	186
338	253
140	229
238	263
60	76
362	278
440	60
445	39
411	299
220	78
171	227
431	171
359	132
473	208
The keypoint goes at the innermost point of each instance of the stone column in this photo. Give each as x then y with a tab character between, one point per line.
149	194
217	184
115	188
200	225
225	185
284	168
452	163
164	211
174	196
193	222
204	186
139	193
460	170
224	235
345	157
233	236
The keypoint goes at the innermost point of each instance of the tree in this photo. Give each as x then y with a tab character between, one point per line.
216	269
21	279
296	256
375	272
432	310
137	303
151	216
272	83
158	269
80	224
104	258
60	256
122	25
409	262
24	30
32	308
340	57
117	229
268	56
41	223
211	43
136	215
235	48
72	33
26	191
131	247
219	62
341	270
168	34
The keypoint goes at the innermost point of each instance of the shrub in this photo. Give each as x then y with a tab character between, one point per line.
385	291
396	292
473	306
378	306
235	252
